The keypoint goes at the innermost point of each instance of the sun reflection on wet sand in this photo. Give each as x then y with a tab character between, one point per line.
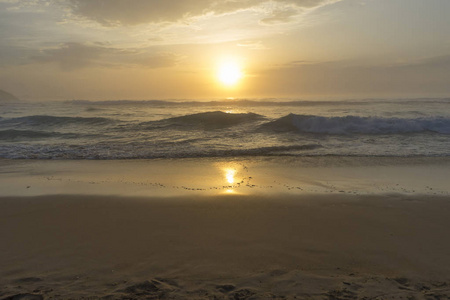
230	175
230	172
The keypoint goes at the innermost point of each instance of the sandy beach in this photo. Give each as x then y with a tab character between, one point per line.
234	149
243	239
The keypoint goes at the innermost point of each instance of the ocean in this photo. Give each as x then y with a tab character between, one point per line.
108	130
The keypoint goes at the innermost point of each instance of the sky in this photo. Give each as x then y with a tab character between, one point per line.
173	49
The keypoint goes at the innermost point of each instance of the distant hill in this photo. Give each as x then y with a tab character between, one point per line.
7	97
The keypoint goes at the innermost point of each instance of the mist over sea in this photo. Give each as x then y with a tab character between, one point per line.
227	128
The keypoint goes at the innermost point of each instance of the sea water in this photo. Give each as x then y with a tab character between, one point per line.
80	129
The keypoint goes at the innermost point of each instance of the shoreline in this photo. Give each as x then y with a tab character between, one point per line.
212	176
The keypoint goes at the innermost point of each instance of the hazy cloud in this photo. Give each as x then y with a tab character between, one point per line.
73	56
115	12
280	16
254	45
426	76
154	61
439	62
21	4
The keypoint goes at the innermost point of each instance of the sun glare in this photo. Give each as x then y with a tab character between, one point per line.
229	73
230	175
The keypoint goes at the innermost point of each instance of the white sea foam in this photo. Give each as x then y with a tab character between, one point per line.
359	125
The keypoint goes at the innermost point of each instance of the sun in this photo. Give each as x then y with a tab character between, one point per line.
229	73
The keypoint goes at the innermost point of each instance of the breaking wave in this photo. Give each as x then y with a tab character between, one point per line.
358	125
211	120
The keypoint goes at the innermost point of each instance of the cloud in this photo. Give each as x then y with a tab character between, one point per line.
74	56
12	5
124	12
427	76
280	16
154	61
438	62
253	45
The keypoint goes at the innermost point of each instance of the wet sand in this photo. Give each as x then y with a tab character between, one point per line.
272	233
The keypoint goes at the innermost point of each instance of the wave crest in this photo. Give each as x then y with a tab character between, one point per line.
210	120
358	125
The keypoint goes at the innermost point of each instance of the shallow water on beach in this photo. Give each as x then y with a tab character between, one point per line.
262	176
224	128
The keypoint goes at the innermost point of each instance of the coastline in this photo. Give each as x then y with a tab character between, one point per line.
214	176
214	239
